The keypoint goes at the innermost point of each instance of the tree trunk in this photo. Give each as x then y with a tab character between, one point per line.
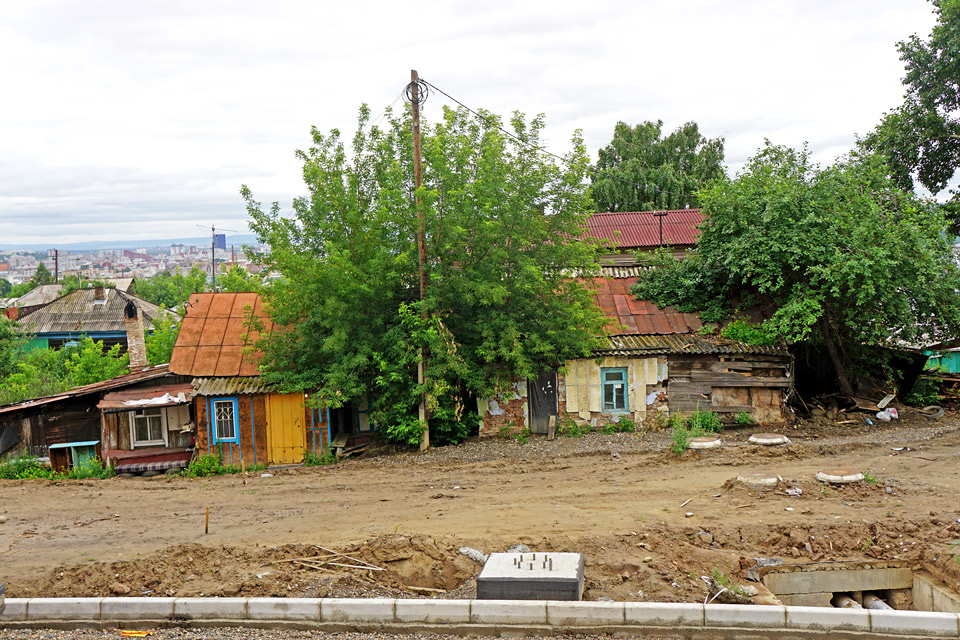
843	378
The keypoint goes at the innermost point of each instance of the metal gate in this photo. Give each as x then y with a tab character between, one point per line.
542	400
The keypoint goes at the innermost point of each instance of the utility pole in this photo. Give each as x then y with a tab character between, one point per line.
56	266
213	257
414	92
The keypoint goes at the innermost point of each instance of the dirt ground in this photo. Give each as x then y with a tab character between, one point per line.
617	498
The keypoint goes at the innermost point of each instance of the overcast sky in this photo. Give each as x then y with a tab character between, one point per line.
142	119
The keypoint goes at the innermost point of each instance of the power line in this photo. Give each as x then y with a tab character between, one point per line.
492	120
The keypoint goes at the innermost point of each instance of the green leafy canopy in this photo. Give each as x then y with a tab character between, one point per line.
502	222
842	256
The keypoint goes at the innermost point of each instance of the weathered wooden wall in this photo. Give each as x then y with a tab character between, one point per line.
252	438
729	384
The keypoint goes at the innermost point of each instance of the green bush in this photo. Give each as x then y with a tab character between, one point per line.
310	459
524	436
924	393
743	331
743	417
706	422
679	439
570	429
92	468
624	425
24	467
698	424
208	465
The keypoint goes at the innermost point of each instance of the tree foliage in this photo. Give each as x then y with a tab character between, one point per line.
921	138
236	279
501	222
641	170
160	341
42	275
846	258
172	291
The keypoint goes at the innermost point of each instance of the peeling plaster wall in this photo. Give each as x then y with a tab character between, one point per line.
581	388
506	413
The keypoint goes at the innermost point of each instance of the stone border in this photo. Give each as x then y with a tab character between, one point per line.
475	617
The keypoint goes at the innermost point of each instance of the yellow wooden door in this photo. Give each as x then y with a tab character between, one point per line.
286	435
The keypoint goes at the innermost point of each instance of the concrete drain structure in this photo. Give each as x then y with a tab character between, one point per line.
859	585
759	481
769	439
839	476
531	576
705	442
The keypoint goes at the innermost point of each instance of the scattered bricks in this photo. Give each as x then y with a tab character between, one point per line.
85	609
433	611
745	615
584	614
823	619
15	609
357	609
508	611
664	614
136	608
283	608
915	623
210	608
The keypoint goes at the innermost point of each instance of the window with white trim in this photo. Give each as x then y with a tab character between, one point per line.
225	420
615	398
147	427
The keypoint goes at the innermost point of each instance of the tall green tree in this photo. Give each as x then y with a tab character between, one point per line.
42	275
172	291
236	279
920	139
502	222
847	259
642	170
160	341
5	287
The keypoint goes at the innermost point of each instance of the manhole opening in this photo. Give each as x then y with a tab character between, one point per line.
859	585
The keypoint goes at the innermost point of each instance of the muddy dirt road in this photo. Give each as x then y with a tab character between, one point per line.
617	498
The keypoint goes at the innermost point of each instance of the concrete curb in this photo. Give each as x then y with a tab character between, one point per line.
472	616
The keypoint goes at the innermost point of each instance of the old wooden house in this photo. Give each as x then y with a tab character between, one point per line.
238	417
655	360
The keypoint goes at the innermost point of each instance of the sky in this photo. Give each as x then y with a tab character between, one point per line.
139	120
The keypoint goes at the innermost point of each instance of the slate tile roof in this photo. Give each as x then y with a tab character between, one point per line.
638	229
79	313
213	339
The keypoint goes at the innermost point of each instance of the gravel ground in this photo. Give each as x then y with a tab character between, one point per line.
233	633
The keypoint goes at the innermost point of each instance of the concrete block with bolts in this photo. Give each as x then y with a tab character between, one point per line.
508	611
283	608
211	608
15	610
915	623
584	614
357	609
665	614
136	608
744	615
433	611
63	609
823	619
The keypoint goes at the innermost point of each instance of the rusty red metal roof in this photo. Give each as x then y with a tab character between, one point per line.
629	316
213	340
636	229
116	399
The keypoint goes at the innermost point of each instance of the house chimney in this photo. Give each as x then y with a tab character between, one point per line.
99	293
136	345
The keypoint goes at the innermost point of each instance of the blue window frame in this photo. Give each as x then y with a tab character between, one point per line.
615	385
225	413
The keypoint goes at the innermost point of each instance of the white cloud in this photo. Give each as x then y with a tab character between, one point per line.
143	119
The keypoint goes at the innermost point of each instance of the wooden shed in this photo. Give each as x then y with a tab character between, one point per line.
238	417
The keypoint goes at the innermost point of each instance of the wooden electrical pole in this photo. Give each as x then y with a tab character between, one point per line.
421	250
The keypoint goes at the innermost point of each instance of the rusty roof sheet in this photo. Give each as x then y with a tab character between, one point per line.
116	399
134	377
635	229
213	340
624	345
627	315
228	386
79	313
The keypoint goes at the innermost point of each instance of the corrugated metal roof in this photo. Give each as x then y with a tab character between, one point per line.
141	375
79	313
116	399
213	339
228	386
631	316
613	271
691	343
631	230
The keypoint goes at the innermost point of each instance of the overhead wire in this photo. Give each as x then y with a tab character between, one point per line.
541	149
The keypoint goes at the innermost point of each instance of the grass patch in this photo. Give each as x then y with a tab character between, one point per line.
310	459
27	467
